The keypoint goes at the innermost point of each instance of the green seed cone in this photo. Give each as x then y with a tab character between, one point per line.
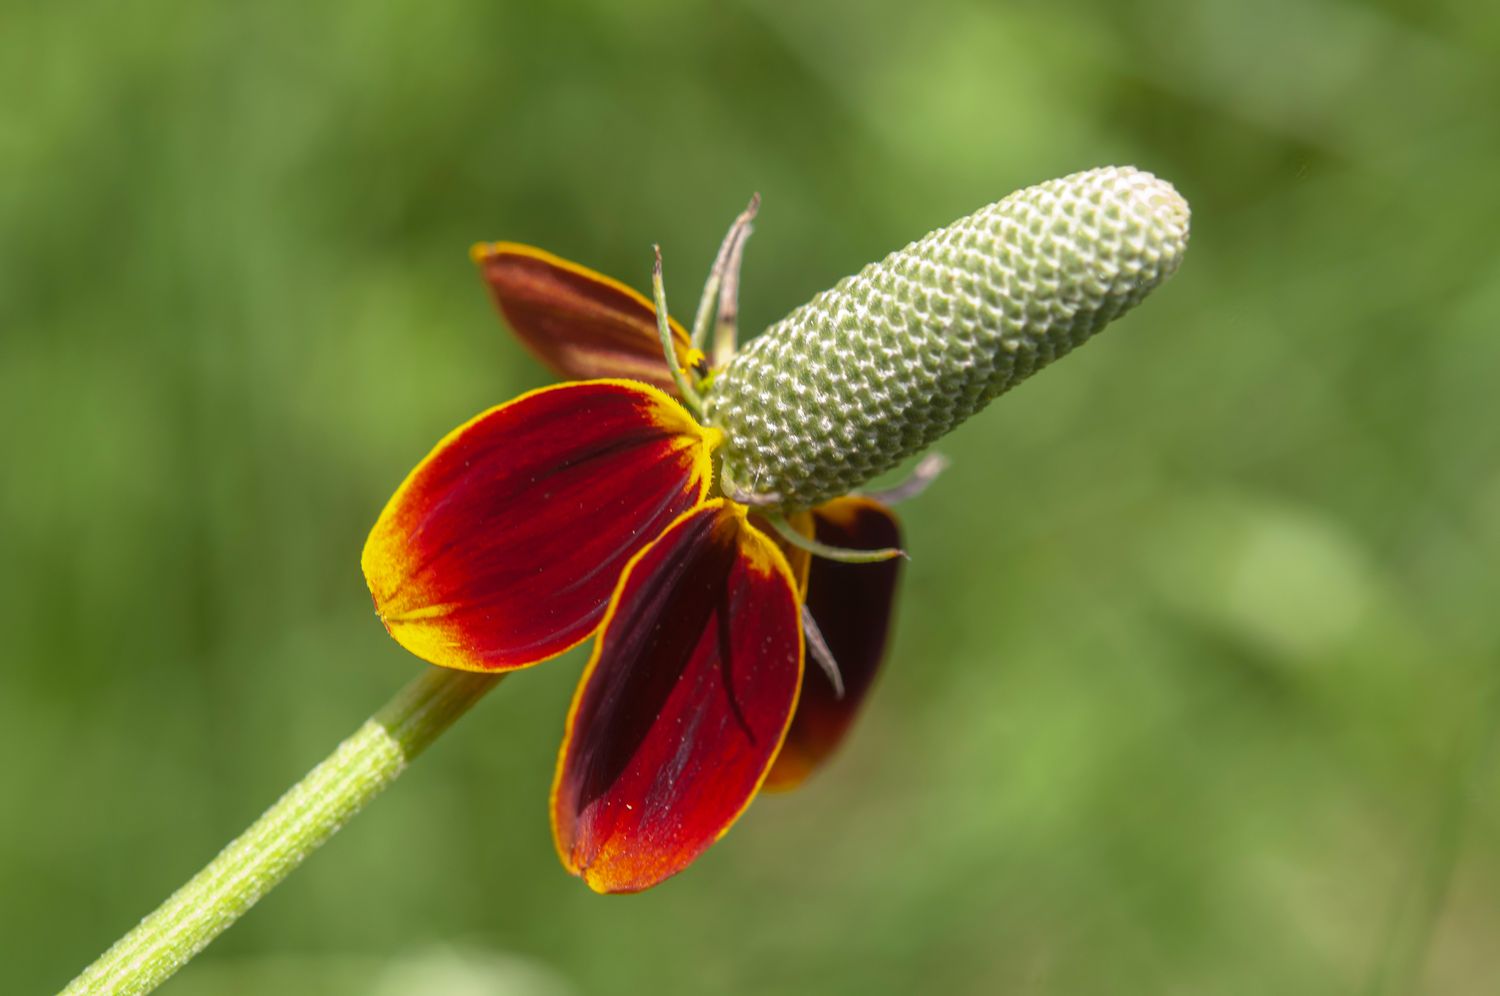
874	370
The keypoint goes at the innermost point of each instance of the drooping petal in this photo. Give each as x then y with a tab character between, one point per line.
502	547
581	324
684	705
851	604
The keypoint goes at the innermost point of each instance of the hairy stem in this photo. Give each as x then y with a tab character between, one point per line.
299	822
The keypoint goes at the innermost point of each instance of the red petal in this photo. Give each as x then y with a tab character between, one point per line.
684	705
851	603
581	324
501	549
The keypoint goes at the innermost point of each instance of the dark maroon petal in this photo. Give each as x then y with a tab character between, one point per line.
683	708
852	606
579	323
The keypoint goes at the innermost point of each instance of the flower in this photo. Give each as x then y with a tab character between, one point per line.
697	516
585	508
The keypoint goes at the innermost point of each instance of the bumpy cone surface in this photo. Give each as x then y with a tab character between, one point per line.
876	369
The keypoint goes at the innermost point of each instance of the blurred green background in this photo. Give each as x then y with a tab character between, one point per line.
1194	688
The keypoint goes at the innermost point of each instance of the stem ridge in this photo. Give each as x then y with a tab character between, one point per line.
297	824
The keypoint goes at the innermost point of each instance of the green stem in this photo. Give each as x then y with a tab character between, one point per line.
301	820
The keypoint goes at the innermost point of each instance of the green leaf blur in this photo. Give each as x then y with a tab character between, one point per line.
1194	688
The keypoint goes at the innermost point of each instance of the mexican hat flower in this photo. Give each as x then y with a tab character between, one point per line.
698	515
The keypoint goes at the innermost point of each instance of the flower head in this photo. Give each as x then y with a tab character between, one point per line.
697	515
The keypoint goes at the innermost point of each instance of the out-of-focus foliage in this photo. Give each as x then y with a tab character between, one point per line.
1195	682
